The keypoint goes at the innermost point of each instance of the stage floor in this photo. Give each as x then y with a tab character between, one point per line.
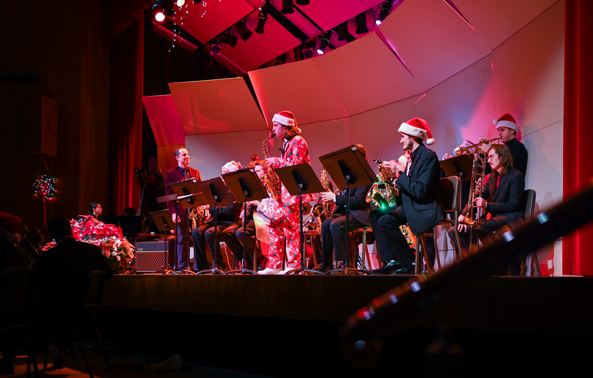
556	304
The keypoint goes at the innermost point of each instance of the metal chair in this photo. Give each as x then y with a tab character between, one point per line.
450	195
353	253
528	210
16	295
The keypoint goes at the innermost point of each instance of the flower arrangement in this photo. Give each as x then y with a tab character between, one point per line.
109	238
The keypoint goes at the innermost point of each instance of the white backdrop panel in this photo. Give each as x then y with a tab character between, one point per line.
299	87
432	40
462	107
497	20
216	106
529	72
376	129
210	152
365	74
164	120
325	137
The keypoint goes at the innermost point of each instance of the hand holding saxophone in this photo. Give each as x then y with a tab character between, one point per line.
328	196
461	227
480	202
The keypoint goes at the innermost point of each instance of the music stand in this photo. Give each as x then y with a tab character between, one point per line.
349	169
300	179
188	195
458	166
215	193
245	183
163	221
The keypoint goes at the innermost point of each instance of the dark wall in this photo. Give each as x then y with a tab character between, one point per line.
66	45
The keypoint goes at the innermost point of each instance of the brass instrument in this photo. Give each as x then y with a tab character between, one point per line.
198	216
269	179
384	194
461	150
325	207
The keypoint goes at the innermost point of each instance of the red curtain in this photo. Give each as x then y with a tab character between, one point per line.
125	114
577	248
122	13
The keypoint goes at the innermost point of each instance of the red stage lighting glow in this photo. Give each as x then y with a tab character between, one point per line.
159	16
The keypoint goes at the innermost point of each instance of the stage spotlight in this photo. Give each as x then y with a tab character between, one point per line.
280	60
261	21
161	9
180	3
302	2
343	34
287	7
385	10
309	49
241	28
215	47
229	39
361	23
324	42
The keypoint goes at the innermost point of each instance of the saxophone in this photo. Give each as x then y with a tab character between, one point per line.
270	179
384	195
325	207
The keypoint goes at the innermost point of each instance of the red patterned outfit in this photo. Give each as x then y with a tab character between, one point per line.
285	211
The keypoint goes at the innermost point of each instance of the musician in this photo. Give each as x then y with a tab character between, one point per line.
96	210
285	212
180	173
332	228
227	217
507	130
418	188
501	198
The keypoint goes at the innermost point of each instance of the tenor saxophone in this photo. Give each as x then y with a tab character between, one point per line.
270	179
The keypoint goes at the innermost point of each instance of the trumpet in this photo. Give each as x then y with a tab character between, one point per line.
461	150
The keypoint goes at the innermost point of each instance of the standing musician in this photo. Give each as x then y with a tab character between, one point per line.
507	130
332	228
227	217
285	212
501	198
180	173
418	184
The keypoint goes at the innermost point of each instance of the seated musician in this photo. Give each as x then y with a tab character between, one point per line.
501	199
418	184
227	217
333	227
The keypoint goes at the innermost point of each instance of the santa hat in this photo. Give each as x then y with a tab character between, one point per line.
285	118
232	166
417	127
11	223
506	120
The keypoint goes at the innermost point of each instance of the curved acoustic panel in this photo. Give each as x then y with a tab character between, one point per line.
164	120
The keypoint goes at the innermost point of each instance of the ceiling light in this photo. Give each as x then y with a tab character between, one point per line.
324	42
229	39
385	10
287	7
302	2
161	9
215	47
361	23
309	49
261	21
180	3
241	28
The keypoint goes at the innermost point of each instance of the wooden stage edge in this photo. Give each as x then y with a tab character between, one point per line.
548	304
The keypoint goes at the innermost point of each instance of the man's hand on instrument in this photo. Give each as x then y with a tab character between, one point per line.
174	216
328	196
461	227
480	202
485	147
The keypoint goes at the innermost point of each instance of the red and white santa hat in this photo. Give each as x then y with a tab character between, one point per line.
506	120
417	127
285	118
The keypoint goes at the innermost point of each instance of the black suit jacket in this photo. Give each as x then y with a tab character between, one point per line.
419	191
174	175
358	206
505	201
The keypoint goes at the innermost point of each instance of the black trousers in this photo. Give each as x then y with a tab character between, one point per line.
233	237
333	230
205	234
391	243
182	244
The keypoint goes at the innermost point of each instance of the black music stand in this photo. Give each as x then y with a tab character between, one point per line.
163	221
245	183
298	180
458	166
188	195
215	193
349	169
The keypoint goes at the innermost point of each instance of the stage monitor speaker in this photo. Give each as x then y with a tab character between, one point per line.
150	256
41	127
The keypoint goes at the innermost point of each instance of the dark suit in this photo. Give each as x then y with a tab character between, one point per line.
172	176
504	203
420	207
332	228
62	272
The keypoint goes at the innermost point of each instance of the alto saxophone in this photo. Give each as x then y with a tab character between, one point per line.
384	194
269	179
325	207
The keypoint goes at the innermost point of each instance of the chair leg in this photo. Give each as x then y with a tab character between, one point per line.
436	249
538	269
84	355
425	252
101	346
418	258
365	249
31	358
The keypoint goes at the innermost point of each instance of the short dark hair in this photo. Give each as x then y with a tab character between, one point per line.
59	227
178	151
506	158
93	206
